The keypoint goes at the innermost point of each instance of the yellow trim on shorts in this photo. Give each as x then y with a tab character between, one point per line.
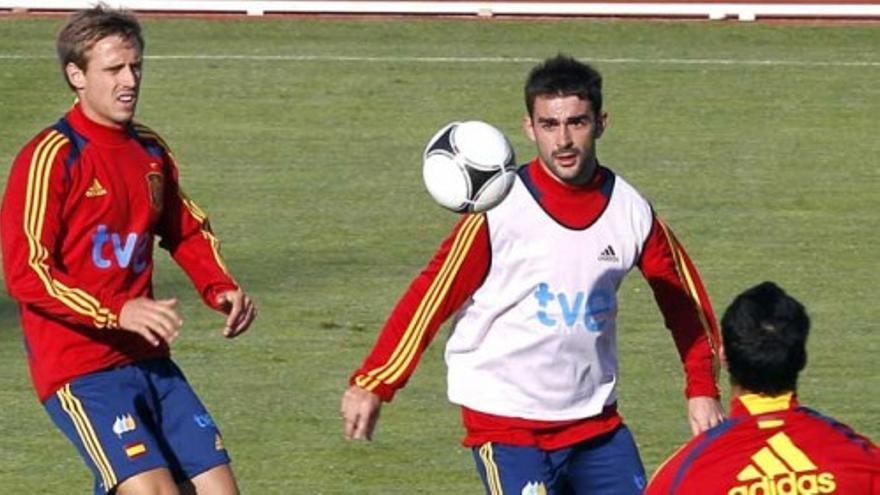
74	408
493	479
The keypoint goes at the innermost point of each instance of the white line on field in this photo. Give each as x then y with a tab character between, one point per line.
484	60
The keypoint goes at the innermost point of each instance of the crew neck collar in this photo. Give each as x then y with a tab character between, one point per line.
96	132
547	182
757	404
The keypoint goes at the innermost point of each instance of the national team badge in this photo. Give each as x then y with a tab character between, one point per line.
156	182
133	450
123	424
534	488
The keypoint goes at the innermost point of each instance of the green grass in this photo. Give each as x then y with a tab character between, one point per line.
310	171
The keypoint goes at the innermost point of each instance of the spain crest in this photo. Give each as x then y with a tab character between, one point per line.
155	183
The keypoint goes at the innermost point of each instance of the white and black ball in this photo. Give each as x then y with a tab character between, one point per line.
468	167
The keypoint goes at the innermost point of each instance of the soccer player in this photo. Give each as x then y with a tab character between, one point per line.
85	199
532	358
770	444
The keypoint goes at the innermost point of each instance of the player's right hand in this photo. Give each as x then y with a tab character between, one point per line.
156	320
360	412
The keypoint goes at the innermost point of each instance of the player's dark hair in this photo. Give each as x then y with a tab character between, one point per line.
765	339
87	27
562	75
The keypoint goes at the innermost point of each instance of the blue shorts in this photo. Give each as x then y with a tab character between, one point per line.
606	465
131	419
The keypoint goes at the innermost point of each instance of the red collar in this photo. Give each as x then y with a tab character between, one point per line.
546	182
94	131
756	404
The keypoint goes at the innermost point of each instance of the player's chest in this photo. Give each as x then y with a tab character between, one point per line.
120	185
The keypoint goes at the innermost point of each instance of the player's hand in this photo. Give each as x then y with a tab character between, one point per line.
704	413
360	412
240	312
156	320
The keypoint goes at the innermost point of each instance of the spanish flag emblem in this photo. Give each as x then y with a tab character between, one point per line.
133	450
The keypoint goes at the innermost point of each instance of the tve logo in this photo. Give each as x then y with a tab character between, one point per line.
593	310
134	249
203	420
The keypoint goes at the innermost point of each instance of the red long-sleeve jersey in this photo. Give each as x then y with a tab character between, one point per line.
772	446
458	269
82	207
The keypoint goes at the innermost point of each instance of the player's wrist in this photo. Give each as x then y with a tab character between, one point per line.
371	385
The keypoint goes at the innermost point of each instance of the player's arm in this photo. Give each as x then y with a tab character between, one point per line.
457	269
186	233
688	314
31	215
31	226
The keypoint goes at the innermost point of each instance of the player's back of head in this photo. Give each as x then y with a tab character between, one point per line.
765	335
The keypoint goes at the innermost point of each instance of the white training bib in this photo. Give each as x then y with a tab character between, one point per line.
538	340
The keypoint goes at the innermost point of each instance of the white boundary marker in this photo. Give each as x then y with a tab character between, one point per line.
480	60
715	11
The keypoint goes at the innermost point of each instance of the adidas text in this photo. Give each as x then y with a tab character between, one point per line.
789	484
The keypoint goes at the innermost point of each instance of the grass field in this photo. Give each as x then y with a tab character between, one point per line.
301	138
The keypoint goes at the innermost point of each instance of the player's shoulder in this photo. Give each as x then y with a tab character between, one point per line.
621	186
691	460
832	430
149	138
626	199
57	142
468	225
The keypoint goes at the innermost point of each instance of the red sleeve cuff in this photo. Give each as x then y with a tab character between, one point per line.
209	295
701	388
701	376
384	392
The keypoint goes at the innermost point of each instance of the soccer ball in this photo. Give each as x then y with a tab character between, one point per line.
468	166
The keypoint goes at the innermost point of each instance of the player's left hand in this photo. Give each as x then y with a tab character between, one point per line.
240	312
704	413
360	411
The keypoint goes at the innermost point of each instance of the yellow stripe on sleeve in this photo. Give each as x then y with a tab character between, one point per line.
414	331
193	209
36	199
202	218
405	352
687	280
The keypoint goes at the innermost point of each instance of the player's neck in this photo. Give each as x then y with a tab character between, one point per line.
737	390
96	131
549	182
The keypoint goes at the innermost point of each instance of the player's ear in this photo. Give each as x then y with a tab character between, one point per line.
528	128
75	75
601	124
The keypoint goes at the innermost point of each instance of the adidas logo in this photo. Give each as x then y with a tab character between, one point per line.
781	468
608	255
96	189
